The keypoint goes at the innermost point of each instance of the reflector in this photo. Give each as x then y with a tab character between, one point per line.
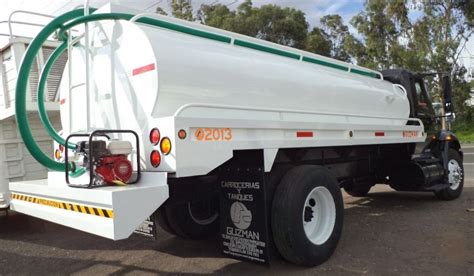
155	136
155	158
165	146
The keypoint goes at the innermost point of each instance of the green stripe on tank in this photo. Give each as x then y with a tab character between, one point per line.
184	29
364	73
250	45
266	49
325	63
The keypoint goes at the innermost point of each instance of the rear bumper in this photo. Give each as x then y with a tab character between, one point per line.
111	212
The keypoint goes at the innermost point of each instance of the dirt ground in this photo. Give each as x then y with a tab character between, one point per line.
387	233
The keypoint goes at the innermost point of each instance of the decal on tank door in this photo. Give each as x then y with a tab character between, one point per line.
213	134
143	69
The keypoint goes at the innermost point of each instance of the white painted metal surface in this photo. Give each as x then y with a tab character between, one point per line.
319	215
190	69
144	77
129	205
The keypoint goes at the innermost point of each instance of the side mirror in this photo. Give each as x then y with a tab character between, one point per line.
448	95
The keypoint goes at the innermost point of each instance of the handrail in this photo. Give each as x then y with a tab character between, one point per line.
265	109
402	88
41	91
21	88
269	47
25	12
87	57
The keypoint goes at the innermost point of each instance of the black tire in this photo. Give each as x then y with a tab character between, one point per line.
453	193
288	227
189	225
162	220
357	191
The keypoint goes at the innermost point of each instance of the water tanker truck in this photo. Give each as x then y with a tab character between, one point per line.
205	132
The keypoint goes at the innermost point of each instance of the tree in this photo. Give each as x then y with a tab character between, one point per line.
286	26
318	42
161	11
182	9
337	32
431	42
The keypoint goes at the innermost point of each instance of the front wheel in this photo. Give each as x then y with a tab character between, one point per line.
455	177
307	215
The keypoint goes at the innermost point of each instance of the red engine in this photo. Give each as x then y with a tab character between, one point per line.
113	168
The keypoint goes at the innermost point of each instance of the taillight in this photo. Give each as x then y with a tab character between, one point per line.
165	146
57	154
61	148
155	136
182	134
155	158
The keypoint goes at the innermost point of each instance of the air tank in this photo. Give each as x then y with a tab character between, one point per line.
141	72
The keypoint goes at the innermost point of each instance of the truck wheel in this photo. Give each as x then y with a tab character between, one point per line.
162	220
455	177
199	220
357	191
307	215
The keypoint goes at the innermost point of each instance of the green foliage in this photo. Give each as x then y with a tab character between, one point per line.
182	9
318	41
161	11
431	43
338	33
465	132
286	26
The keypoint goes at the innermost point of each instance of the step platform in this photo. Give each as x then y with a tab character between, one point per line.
112	212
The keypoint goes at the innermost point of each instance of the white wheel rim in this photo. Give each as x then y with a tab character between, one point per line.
455	174
319	225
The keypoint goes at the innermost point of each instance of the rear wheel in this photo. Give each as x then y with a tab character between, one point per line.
357	190
307	215
194	220
455	177
162	220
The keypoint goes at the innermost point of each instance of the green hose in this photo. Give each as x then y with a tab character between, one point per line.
41	89
21	89
63	23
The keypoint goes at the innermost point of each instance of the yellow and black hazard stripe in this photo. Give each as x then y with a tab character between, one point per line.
106	213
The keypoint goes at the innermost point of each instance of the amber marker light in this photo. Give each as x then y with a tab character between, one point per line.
165	145
57	154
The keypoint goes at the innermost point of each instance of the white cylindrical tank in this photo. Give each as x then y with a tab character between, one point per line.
141	72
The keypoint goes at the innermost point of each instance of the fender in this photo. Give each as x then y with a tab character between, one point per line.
440	145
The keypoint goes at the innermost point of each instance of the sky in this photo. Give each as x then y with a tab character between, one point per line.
314	10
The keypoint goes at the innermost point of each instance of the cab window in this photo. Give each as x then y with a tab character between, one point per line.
420	95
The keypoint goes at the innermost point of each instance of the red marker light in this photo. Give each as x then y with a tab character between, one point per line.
155	158
155	136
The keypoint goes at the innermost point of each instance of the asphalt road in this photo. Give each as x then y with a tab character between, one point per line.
387	233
